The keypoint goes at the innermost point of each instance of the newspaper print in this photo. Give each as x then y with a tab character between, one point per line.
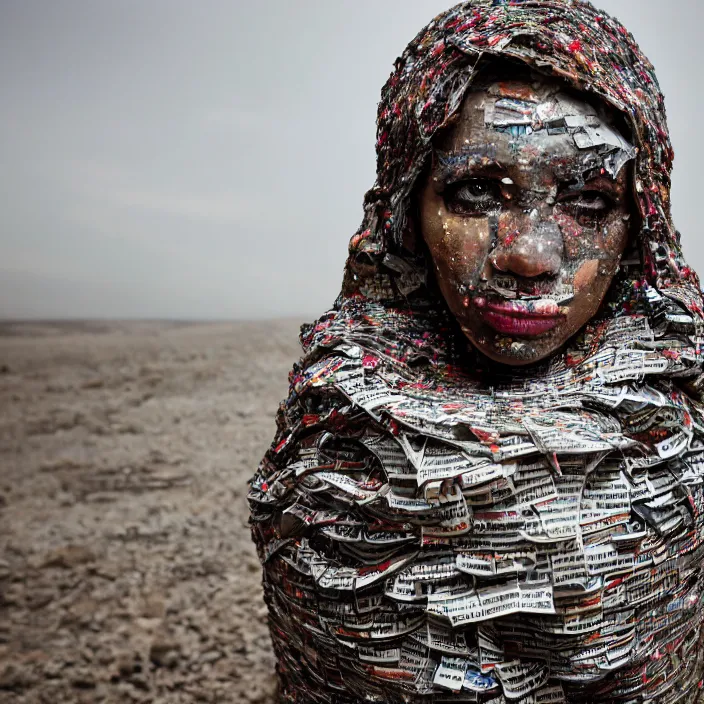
432	532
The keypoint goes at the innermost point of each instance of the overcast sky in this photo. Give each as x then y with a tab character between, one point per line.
180	159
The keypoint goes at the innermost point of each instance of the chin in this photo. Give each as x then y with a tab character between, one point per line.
514	351
514	360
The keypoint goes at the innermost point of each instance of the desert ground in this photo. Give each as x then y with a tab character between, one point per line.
126	569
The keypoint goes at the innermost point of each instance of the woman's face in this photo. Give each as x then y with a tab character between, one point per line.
526	214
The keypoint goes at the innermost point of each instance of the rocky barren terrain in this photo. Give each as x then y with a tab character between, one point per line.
126	568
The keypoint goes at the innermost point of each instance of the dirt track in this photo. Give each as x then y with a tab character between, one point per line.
126	568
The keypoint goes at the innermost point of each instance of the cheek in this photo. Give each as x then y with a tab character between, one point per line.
459	246
604	241
586	275
468	239
615	236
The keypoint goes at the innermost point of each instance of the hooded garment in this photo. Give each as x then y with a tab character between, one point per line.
437	528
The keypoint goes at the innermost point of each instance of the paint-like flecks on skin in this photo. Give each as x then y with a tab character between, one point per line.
525	213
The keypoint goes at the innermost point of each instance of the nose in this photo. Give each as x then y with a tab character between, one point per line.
536	250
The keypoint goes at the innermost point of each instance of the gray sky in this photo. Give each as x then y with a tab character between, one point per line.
180	159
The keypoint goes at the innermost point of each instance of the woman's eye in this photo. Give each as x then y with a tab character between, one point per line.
474	197
587	206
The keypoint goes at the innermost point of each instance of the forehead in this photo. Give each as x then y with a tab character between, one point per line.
525	123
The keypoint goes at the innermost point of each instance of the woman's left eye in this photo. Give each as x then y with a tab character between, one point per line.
588	207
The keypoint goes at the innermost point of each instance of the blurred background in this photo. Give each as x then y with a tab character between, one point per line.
167	164
171	159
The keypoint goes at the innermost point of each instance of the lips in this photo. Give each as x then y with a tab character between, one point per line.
520	318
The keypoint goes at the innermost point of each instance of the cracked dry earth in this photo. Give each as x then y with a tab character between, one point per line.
126	569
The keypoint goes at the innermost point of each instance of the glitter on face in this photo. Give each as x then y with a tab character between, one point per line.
526	205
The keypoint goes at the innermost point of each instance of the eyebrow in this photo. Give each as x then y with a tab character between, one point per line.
451	166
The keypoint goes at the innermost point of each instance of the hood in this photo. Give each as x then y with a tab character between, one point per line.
591	52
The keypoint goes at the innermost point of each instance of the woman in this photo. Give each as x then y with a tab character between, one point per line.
486	484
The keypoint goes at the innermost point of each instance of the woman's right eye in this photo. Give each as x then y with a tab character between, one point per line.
474	197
